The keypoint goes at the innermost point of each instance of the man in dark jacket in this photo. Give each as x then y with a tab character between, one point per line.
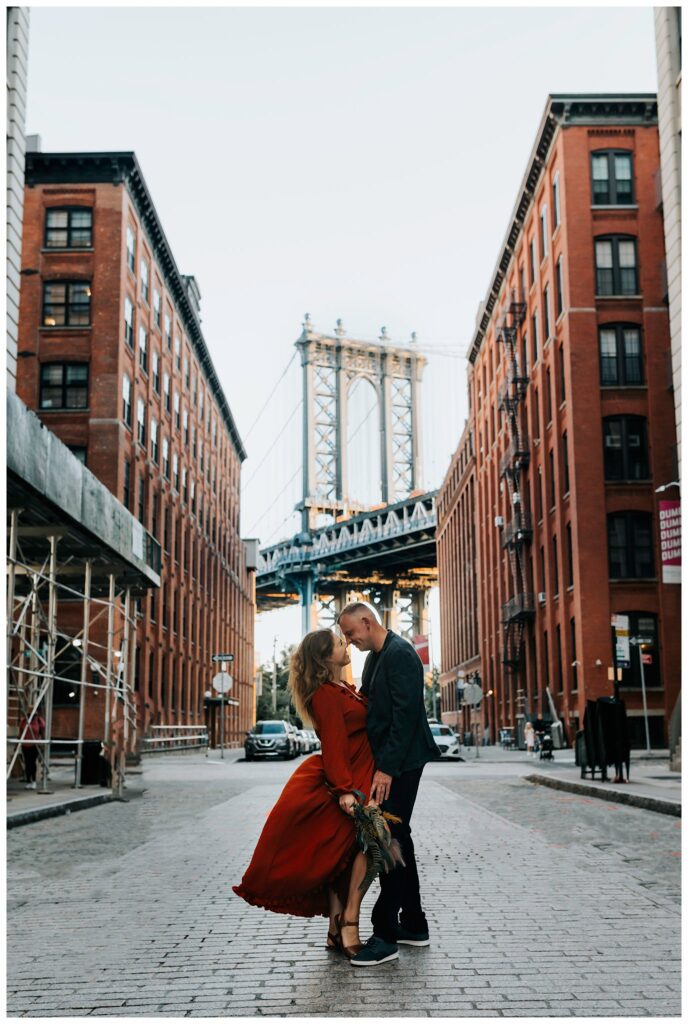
402	745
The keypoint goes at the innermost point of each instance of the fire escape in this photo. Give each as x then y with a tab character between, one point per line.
518	532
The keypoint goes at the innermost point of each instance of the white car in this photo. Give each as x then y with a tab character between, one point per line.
446	740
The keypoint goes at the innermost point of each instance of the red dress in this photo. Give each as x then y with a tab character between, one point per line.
308	843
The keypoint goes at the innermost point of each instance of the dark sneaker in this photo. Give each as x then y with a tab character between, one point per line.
407	938
376	951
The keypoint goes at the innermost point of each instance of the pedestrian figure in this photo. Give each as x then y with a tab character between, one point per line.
307	862
402	744
530	739
35	730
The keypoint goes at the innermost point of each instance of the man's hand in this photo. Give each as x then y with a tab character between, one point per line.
381	786
347	802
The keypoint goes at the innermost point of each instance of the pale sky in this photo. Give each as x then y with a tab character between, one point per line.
359	163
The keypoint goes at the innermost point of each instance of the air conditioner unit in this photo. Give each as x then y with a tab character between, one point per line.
499	521
542	597
515	498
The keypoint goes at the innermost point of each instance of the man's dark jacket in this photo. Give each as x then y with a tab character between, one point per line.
397	722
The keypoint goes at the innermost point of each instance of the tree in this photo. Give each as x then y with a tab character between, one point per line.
285	709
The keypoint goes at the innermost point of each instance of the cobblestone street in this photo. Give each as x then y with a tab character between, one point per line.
541	903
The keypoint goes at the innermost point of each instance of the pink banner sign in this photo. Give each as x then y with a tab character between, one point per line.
670	540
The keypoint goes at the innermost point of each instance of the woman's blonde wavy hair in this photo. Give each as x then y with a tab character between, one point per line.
309	670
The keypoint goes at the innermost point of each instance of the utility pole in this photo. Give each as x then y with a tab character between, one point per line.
274	677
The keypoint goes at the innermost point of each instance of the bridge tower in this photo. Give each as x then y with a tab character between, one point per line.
331	365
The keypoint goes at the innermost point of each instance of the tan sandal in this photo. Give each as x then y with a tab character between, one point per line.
349	951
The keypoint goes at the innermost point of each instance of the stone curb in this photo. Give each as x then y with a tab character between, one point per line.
55	810
647	803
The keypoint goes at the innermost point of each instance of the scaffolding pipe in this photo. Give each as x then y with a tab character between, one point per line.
50	660
14	523
84	671
131	683
108	665
122	672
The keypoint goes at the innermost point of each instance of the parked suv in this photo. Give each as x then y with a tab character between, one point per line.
270	739
446	740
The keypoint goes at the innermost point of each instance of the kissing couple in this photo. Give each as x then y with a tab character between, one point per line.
375	743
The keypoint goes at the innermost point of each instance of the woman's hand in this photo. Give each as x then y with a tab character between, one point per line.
347	802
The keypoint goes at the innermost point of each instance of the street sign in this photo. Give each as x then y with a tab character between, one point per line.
621	626
223	657
472	693
637	640
222	682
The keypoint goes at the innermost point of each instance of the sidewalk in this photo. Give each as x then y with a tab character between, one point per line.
652	785
24	806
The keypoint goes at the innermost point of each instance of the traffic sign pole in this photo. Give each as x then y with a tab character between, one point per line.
638	642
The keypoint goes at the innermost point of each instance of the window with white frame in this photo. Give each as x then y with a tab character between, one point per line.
129	322
145	282
141	421
126	400
131	250
154	440
166	390
143	348
157	307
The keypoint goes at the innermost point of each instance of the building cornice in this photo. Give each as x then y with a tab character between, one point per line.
560	111
123	169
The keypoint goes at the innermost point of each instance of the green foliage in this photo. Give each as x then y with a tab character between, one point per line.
285	709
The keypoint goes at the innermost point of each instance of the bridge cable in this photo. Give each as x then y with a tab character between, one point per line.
268	399
275	499
277	439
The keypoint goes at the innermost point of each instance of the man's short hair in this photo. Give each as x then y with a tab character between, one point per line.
358	608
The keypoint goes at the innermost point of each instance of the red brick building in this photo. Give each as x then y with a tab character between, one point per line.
572	414
113	359
459	605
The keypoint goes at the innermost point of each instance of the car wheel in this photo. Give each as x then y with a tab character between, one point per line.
248	757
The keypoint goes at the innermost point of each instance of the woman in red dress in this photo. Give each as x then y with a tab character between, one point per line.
307	862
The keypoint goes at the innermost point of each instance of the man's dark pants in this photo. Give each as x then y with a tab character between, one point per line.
400	890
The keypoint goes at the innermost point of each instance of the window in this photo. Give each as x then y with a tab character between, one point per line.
185	425
187	378
621	361
556	207
548	395
79	453
142	499
168	332
644	625
548	318
155	362
616	266
546	653
177	419
126	400
574	664
129	322
155	505
539	497
625	448
200	405
194	388
555	566
560	288
178	351
569	553
612	179
629	537
185	489
536	336
525	369
64	386
145	283
166	458
201	459
127	484
536	413
157	312
193	496
69	228
166	390
193	440
562	372
565	458
175	471
552	487
131	250
214	433
531	253
543	231
154	440
66	303
143	348
141	421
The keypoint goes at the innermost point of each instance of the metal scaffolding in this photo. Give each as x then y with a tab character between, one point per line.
37	638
